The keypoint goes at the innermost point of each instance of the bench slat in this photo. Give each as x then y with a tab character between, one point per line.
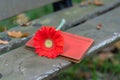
72	15
77	14
12	7
23	64
109	33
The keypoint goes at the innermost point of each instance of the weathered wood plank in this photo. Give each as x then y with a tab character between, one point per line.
73	16
23	64
108	34
10	8
77	14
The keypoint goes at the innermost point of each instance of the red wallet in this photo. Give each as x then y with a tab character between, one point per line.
75	46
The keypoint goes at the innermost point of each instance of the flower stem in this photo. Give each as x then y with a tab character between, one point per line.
61	24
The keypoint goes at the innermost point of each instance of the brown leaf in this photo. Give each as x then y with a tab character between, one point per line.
89	2
25	34
99	26
83	3
98	3
22	19
17	34
104	56
4	42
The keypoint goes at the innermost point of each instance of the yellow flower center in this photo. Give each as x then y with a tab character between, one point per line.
48	43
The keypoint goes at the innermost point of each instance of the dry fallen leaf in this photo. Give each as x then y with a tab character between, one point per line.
83	3
98	2
17	34
25	34
89	2
104	56
22	20
4	42
99	26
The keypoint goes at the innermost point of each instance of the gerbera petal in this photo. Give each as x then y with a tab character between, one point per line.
48	33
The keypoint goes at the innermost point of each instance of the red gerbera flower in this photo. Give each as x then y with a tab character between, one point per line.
48	42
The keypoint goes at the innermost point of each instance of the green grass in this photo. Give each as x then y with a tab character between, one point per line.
32	14
91	66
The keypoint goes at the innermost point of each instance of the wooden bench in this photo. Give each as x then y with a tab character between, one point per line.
74	15
22	64
13	7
